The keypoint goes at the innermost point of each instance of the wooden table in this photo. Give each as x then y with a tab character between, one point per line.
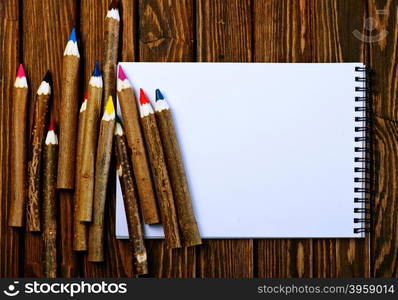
35	32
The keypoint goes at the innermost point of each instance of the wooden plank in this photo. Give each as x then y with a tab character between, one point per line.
384	64
166	32
117	260
224	33
332	27
43	45
282	34
383	19
11	246
385	206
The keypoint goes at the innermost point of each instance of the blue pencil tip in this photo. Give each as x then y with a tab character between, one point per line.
97	71
159	95
72	36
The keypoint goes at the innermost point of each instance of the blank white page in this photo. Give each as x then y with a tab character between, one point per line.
268	148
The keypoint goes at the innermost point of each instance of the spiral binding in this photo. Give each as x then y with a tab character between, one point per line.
362	182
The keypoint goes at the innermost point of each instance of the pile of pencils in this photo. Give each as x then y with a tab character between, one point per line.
148	160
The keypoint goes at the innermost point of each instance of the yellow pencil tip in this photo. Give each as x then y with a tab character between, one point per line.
109	106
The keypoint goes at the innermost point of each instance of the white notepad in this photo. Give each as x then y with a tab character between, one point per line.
269	149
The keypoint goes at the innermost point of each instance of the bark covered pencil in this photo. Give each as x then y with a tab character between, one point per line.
103	160
50	161
79	228
86	182
68	114
141	167
18	150
186	218
40	117
134	225
110	51
160	174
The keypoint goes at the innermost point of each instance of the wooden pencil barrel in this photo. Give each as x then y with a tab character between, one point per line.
18	157
34	165
96	234
50	157
110	52
126	177
68	122
79	228
162	181
139	159
86	188
175	166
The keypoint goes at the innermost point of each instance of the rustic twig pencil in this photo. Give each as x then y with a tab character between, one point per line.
34	165
145	191
50	160
103	160
186	218
86	182
110	48
79	228
18	150
160	174
68	114
126	177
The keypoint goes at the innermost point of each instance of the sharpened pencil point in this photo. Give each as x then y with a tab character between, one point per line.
118	120
143	97
109	108
72	36
114	5
48	78
121	74
21	71
97	71
85	96
52	125
159	95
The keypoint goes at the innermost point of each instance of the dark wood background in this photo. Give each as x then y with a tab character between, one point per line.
35	32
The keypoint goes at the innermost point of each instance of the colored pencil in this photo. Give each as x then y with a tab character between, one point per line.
18	150
50	161
68	114
110	50
186	218
126	178
91	126
141	168
79	228
34	165
103	160
160	174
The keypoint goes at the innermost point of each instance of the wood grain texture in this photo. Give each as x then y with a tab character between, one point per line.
384	222
384	64
332	40
383	19
11	257
49	24
282	34
224	33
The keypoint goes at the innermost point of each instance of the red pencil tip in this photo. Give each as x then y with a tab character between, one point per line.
143	97
85	96
21	71
121	74
52	125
